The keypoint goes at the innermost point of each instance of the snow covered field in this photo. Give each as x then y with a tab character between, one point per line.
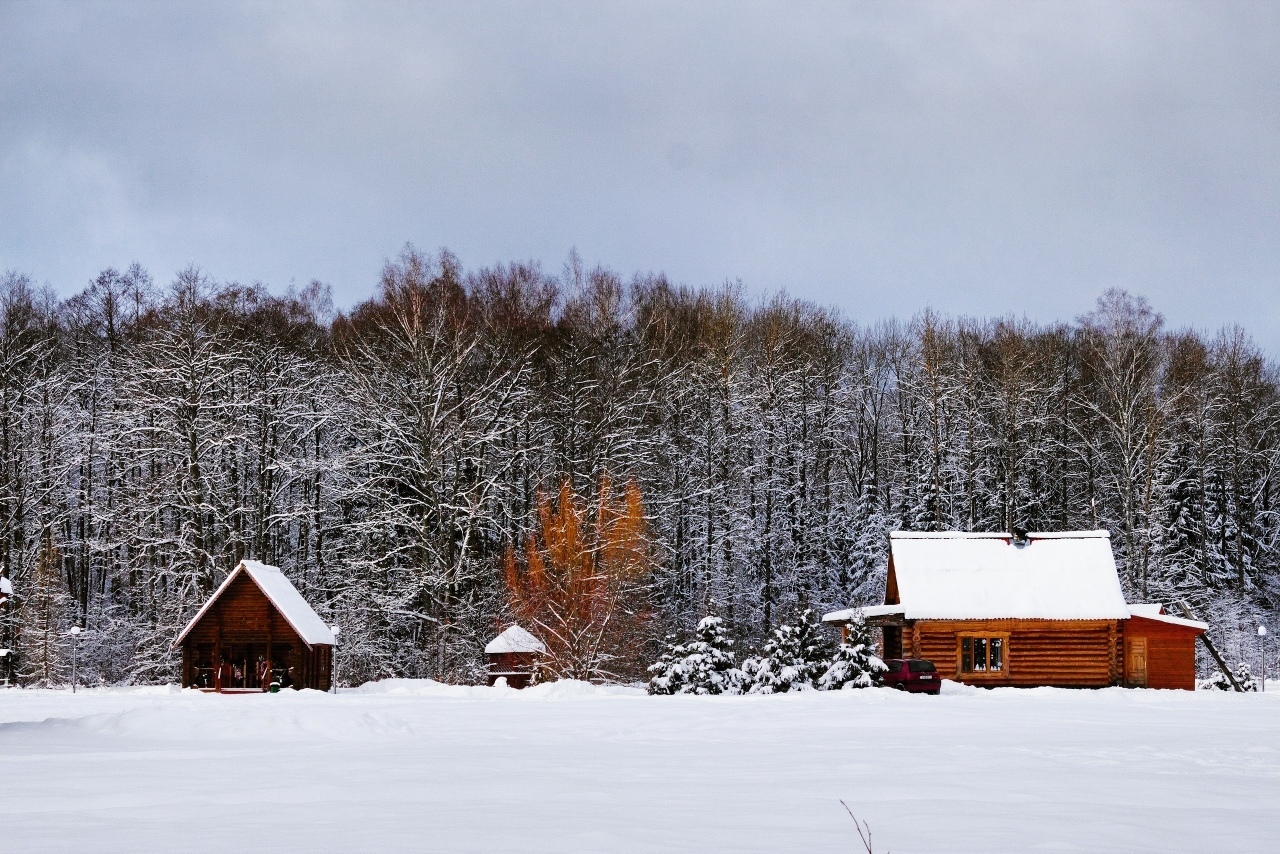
415	766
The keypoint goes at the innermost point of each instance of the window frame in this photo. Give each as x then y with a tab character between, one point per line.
1003	637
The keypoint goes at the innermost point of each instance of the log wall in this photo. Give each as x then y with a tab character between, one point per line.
1062	653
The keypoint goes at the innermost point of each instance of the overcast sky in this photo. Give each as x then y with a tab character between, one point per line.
983	159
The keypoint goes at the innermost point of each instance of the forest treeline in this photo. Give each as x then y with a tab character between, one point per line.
386	458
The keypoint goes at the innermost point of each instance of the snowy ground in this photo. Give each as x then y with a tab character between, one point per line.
415	766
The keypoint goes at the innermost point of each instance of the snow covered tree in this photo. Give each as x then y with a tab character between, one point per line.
794	659
855	664
705	665
1245	678
668	670
384	456
581	582
1218	680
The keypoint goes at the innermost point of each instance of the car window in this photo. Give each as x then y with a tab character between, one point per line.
922	667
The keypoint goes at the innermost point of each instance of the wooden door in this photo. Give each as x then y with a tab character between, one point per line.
1136	662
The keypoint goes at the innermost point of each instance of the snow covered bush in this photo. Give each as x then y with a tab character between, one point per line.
855	664
1245	678
794	659
703	666
1219	681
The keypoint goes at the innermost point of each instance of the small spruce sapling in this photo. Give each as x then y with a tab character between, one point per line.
793	659
668	670
1245	678
855	664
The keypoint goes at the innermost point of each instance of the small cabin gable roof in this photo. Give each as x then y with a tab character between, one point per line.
1155	611
1068	575
282	594
514	639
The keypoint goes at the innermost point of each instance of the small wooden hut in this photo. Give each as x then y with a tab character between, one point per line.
1029	610
256	630
513	656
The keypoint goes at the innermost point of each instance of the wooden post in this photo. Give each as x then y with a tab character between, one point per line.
915	640
217	647
270	669
1222	665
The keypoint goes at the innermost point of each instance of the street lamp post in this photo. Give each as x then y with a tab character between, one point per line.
1262	642
75	642
334	678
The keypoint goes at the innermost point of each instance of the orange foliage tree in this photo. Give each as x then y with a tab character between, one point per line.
581	583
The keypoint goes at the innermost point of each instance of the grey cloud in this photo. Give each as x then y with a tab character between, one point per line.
979	158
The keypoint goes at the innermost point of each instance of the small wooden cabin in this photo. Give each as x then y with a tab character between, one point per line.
513	656
1039	609
256	629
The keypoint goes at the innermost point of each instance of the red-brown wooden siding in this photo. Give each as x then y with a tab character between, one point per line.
1171	652
515	667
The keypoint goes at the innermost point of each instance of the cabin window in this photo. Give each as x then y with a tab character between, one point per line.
982	653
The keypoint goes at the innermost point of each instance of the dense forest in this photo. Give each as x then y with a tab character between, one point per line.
386	458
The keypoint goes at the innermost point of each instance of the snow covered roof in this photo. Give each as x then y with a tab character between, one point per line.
869	611
1155	611
1068	575
288	601
514	639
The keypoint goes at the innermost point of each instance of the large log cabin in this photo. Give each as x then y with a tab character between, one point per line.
1025	610
256	629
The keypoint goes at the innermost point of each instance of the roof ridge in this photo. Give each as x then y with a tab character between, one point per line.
998	535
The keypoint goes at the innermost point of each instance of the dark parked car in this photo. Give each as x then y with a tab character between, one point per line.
912	674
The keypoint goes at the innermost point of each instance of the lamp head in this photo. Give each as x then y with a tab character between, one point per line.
75	630
1262	631
336	631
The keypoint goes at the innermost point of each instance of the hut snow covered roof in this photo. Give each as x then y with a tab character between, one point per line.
952	575
514	639
288	601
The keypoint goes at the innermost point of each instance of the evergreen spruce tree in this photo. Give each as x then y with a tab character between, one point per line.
855	664
793	660
668	670
867	564
1245	678
708	665
926	514
703	666
1178	535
